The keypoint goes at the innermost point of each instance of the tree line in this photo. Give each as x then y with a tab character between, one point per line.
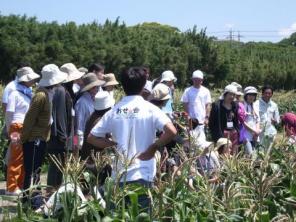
161	47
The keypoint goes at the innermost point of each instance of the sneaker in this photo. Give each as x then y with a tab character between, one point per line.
14	193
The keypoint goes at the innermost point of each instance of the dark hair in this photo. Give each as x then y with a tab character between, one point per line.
23	64
133	80
265	87
245	96
96	67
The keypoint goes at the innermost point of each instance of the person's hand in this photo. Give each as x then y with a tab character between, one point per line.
206	122
149	153
15	137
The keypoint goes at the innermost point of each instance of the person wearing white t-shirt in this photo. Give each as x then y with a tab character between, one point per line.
17	106
197	102
133	123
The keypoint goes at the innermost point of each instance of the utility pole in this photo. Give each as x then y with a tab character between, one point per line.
230	36
238	36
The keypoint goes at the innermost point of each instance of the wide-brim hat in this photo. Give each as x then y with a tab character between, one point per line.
229	89
72	71
103	100
26	74
91	80
51	75
110	80
250	90
239	88
222	142
160	92
168	75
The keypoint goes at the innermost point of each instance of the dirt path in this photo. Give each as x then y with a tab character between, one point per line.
8	204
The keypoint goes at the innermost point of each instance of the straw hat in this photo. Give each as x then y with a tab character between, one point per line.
168	75
51	75
72	71
26	74
110	80
160	92
91	80
103	100
222	142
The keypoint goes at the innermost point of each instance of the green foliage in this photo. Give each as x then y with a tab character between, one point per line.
161	47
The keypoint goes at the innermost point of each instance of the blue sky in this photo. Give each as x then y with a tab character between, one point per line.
261	20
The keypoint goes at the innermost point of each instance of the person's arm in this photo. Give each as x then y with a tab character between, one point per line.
185	105
276	117
100	142
208	111
36	106
169	133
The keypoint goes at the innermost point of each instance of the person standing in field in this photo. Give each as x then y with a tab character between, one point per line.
60	142
133	123
110	84
84	107
289	123
17	106
37	123
197	103
249	119
223	120
97	69
168	78
269	116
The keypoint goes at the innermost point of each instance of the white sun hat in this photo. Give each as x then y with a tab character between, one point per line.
168	75
229	89
197	74
72	71
250	90
26	74
51	75
239	88
103	100
160	92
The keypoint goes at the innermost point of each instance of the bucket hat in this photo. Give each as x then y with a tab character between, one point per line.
26	74
91	80
51	75
72	71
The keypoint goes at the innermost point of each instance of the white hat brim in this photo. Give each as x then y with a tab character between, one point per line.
59	78
29	77
74	76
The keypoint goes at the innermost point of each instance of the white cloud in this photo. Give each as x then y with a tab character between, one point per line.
286	32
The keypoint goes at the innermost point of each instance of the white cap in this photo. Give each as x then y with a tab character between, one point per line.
250	90
103	100
197	74
168	75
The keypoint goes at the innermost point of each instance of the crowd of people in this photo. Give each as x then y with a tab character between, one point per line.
74	111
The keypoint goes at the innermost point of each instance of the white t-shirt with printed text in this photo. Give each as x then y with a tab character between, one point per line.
197	99
133	123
